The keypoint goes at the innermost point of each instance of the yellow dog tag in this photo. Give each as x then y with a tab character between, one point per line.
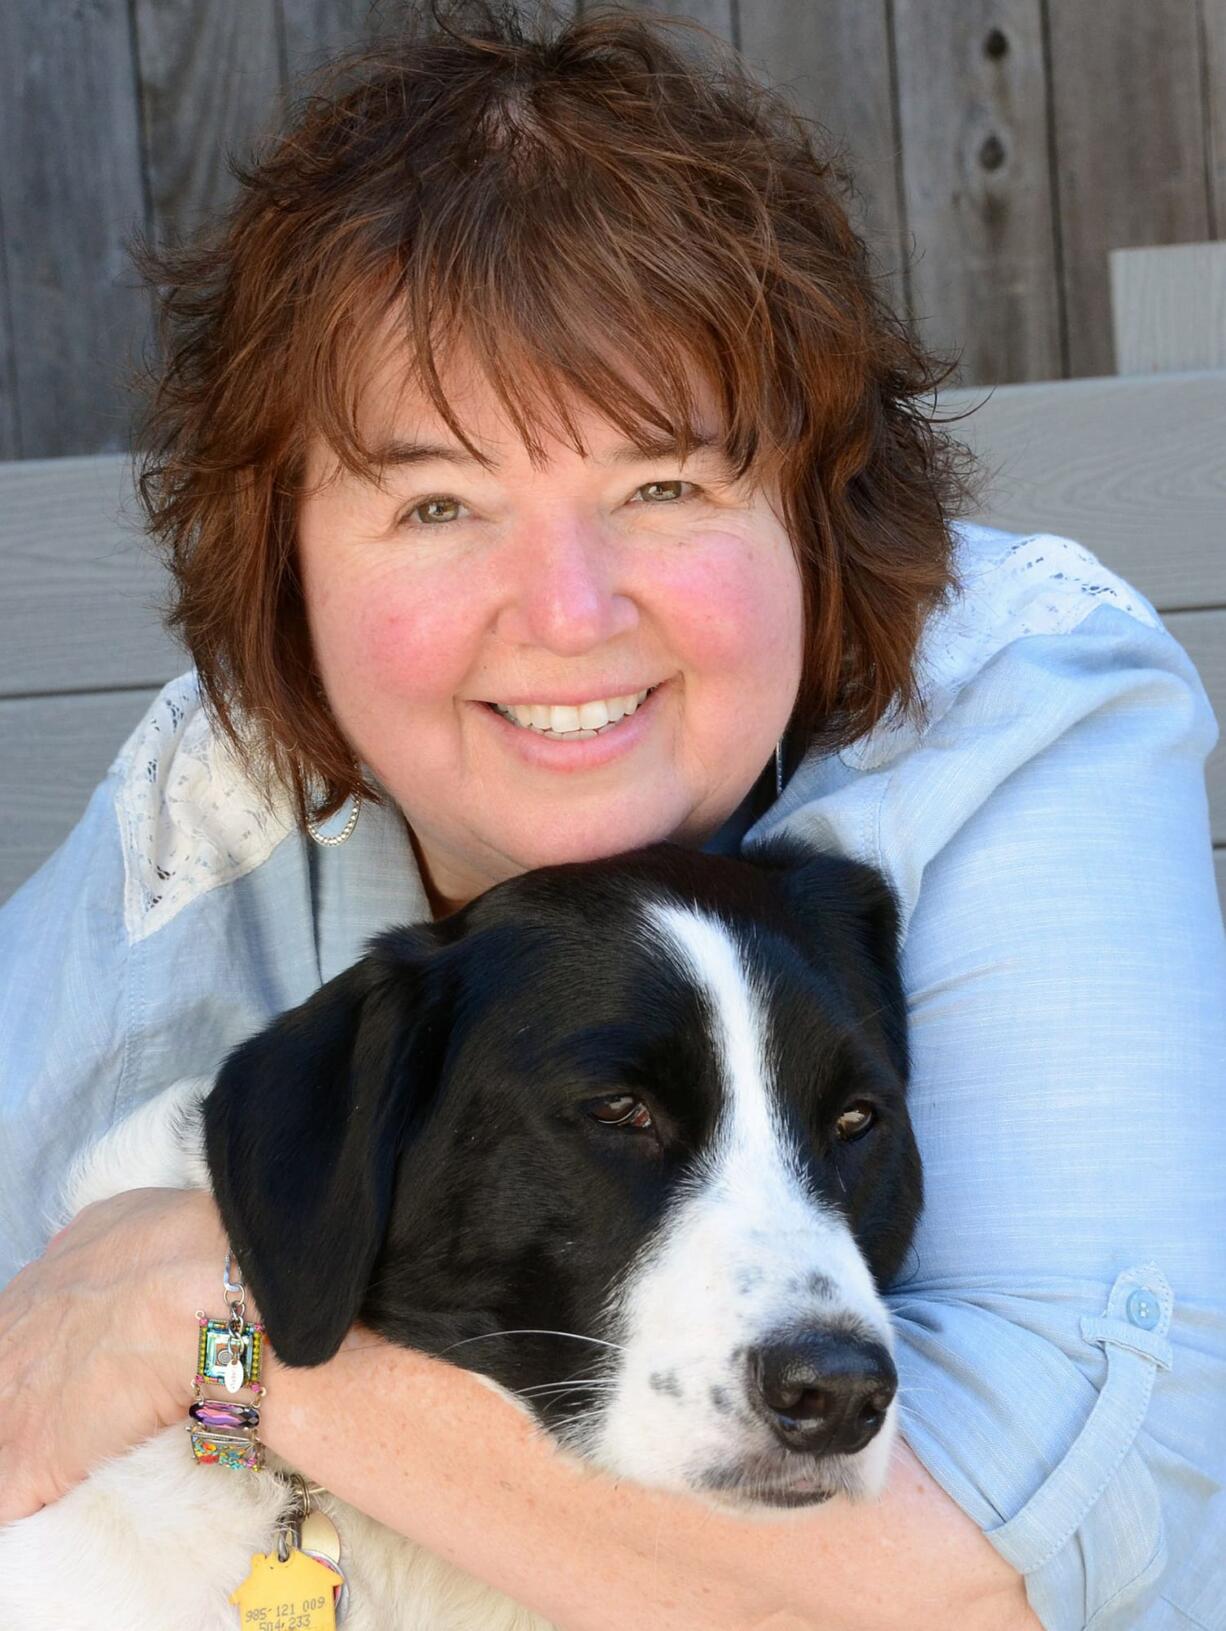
292	1596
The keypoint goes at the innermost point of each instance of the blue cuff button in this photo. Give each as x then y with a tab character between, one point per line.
1143	1309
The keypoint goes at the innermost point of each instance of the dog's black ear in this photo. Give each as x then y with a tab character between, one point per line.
303	1130
852	913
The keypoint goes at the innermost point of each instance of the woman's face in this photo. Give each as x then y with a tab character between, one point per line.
450	593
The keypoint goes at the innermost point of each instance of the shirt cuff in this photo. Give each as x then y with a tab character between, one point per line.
1030	1426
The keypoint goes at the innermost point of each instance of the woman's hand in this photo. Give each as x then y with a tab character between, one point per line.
97	1338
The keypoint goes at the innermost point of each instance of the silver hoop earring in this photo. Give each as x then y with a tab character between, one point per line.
331	842
779	768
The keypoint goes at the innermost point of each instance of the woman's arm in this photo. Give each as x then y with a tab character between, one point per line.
435	1454
1061	1326
97	1347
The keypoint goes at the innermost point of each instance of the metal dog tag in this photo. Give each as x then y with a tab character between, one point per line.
294	1594
318	1534
318	1538
340	1592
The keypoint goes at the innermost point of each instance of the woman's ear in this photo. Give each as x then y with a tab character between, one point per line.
303	1133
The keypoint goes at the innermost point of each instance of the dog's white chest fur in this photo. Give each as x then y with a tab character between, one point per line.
154	1541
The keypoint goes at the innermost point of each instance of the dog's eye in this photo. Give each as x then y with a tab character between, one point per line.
622	1111
855	1122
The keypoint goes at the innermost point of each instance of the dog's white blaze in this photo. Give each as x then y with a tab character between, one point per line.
734	1262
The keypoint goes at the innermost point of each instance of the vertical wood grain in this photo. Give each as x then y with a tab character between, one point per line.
1213	47
832	60
210	83
10	425
719	16
70	196
313	31
973	114
1168	308
1130	142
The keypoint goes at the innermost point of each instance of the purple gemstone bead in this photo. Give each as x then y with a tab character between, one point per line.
220	1414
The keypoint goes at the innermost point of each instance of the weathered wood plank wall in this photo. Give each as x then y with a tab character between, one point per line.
1002	149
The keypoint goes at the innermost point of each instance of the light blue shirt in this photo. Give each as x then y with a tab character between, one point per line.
1062	1319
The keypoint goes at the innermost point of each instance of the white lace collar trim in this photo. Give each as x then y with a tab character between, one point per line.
190	820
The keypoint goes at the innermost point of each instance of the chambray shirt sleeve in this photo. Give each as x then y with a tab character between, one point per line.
65	1020
1062	1321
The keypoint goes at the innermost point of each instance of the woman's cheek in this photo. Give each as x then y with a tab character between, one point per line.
732	599
420	647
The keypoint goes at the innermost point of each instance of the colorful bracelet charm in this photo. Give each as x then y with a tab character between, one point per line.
223	1431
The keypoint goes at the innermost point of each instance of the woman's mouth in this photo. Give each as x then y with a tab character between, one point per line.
572	722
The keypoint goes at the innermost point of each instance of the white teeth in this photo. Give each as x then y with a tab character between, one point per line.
575	721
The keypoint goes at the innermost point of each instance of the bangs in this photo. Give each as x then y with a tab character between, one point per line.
534	265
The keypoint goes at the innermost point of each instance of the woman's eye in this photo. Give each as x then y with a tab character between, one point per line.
855	1122
439	502
647	485
440	510
623	1111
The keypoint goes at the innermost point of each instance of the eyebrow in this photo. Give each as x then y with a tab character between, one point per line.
401	453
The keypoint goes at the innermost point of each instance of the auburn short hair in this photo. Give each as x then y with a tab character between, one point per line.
555	194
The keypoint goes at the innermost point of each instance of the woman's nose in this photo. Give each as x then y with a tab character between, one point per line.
563	592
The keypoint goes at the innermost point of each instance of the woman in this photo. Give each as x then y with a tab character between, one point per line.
528	376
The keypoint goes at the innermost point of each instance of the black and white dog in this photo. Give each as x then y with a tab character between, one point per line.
628	1138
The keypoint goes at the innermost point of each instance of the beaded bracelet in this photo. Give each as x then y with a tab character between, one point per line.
223	1431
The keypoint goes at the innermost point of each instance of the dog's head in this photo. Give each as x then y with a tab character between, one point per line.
628	1138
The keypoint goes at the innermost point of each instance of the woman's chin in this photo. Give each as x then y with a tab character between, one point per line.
594	835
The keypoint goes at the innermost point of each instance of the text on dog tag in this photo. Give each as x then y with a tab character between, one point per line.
296	1595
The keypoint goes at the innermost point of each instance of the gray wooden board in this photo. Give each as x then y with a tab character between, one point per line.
972	96
1213	15
78	611
313	31
316	31
71	194
1130	143
1168	308
10	430
55	751
1135	469
210	76
714	15
831	59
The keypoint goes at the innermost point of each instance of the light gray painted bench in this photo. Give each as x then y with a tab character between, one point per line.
1134	467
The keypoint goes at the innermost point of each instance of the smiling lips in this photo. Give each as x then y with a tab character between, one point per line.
573	722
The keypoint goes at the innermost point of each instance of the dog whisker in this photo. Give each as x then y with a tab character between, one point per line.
529	1331
560	1388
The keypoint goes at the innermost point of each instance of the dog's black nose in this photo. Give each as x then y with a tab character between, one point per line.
822	1392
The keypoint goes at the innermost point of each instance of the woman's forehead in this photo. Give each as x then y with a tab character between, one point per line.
395	410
